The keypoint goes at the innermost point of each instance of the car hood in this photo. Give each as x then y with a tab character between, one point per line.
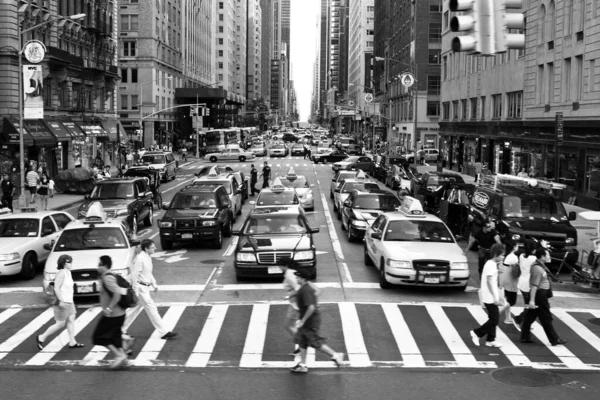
88	259
108	204
367	215
156	166
302	191
407	251
541	227
283	242
16	244
174	214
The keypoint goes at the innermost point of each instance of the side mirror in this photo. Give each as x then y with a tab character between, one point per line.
165	206
47	231
376	235
49	246
314	230
87	196
572	216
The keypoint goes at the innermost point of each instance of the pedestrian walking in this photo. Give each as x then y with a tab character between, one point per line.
8	191
51	188
509	278
108	330
129	159
33	180
266	174
305	151
253	180
478	170
539	306
142	281
526	260
64	309
309	150
43	191
421	154
491	298
485	238
309	325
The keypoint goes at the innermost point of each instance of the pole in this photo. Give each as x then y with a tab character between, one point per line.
141	136
23	199
416	116
197	131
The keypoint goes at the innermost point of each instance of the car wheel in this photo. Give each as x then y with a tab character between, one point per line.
339	215
367	257
331	195
218	242
228	228
242	158
213	159
166	244
349	232
29	266
149	219
134	225
383	283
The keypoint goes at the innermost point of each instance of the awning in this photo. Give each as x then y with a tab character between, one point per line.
93	129
110	126
40	132
62	135
11	132
76	133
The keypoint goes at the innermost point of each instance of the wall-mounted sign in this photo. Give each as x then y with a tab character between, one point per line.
34	51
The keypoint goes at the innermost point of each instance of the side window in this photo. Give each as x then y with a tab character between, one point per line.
48	227
224	199
141	186
234	184
378	223
61	220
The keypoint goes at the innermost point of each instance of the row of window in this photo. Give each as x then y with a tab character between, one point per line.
475	107
455	65
570	80
76	96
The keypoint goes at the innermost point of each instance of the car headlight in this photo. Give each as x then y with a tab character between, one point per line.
245	257
309	195
9	256
459	265
516	236
49	276
122	213
165	224
208	223
399	264
570	240
357	222
304	255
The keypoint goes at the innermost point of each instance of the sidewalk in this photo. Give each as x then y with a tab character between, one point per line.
59	201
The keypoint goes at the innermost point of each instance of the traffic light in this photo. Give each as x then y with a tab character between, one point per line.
205	111
478	22
193	112
503	21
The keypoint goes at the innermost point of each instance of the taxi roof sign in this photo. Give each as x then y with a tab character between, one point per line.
361	174
213	173
411	206
95	214
291	174
277	186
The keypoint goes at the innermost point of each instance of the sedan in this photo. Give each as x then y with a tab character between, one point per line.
258	150
297	149
233	154
278	150
353	162
332	155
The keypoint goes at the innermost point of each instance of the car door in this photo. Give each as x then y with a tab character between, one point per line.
347	210
237	197
369	241
49	232
363	163
143	197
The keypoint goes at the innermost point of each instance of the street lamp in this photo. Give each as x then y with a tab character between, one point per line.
141	102
22	197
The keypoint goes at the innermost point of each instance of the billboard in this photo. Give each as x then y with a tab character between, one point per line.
33	88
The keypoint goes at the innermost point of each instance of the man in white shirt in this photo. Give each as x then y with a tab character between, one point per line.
142	281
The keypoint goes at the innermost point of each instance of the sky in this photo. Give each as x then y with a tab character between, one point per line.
303	47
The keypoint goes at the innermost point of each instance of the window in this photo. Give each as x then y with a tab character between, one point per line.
370	8
220	29
435	5
455	110
591	75
220	41
482	107
497	106
220	65
445	67
134	75
540	84
47	92
129	48
515	104
435	32
221	17
434	84
550	96
123	75
129	22
134	102
578	77
434	56
433	108
124	102
474	108
446	20
220	5
567	79
568	17
446	111
465	111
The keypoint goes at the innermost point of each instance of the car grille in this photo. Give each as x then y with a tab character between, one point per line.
273	257
84	274
185	224
111	213
430	265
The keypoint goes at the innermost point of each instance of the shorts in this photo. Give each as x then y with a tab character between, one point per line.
61	314
32	189
108	331
308	336
292	315
511	297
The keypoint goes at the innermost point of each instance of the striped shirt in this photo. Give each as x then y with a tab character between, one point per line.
32	178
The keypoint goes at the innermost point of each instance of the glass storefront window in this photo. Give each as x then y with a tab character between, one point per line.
593	175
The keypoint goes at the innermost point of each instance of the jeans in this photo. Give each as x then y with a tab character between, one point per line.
545	316
489	327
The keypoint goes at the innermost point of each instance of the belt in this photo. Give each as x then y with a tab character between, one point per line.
145	284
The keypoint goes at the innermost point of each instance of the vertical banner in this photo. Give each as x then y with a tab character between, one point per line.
33	85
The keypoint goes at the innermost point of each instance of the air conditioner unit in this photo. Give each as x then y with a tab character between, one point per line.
546	107
575	105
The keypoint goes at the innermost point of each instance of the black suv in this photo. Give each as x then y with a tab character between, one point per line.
289	137
361	208
383	166
197	213
128	198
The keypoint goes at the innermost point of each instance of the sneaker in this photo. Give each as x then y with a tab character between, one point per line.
128	345
338	358
493	344
117	362
517	325
559	342
474	338
299	369
169	335
295	352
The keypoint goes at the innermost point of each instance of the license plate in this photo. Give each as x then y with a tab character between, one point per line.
85	289
432	279
275	270
187	236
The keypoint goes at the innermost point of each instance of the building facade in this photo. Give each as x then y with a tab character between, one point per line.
324	76
254	60
241	48
266	47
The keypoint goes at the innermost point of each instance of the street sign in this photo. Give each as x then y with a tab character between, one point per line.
368	97
347	112
407	79
559	129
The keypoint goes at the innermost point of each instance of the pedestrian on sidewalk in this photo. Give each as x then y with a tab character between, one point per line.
509	277
64	310
253	180
33	179
485	238
142	281
108	330
491	297
478	170
51	188
526	260
8	191
539	306
309	325
43	191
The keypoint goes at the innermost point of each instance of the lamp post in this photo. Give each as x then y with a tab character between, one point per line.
20	32
141	103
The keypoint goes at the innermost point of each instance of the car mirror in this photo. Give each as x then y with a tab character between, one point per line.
47	231
87	196
165	206
314	230
376	235
49	246
134	243
572	216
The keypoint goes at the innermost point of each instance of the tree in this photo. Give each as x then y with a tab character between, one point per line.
256	108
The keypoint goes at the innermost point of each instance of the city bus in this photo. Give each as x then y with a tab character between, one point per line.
217	139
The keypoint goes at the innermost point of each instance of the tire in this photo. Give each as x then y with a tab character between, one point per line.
166	244
383	283
339	216
367	259
242	158
213	159
218	242
228	228
134	225
29	266
158	200
350	236
150	218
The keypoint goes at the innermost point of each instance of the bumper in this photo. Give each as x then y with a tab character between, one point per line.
255	270
277	154
402	277
208	233
12	267
357	231
82	288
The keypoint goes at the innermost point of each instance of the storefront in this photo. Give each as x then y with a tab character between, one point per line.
96	141
78	150
64	138
9	149
115	131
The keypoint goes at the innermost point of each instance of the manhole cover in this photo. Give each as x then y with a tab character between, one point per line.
525	377
211	262
595	321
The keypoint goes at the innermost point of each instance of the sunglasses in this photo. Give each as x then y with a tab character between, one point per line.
69	261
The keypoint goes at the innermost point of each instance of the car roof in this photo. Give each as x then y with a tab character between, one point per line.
31	215
80	223
515	191
279	210
399	216
201	187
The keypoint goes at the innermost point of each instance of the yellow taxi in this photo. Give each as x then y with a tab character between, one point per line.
303	189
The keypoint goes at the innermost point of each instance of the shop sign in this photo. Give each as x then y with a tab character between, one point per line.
481	200
559	129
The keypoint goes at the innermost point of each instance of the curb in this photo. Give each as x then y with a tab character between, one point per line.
68	205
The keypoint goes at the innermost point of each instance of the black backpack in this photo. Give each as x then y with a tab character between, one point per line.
127	300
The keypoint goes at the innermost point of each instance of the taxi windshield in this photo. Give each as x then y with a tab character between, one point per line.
533	208
345	175
112	191
417	231
277	199
363	186
189	201
272	223
19	227
296	183
278	146
383	202
225	184
154	158
91	239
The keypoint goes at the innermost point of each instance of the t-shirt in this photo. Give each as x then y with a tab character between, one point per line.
539	277
253	174
508	281
489	269
525	264
486	240
305	298
32	178
266	172
7	187
291	286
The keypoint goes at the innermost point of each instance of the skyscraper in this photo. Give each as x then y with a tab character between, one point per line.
254	59
267	47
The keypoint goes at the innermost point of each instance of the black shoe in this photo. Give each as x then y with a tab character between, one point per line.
527	341
169	335
559	342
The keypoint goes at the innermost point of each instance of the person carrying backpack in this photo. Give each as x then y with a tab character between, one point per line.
108	330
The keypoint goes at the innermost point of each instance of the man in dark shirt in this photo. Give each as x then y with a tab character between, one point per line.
266	174
485	238
309	324
8	191
253	180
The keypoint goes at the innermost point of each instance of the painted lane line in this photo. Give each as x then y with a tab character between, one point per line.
6	314
231	247
353	336
255	337
155	344
337	248
409	350
15	340
208	337
62	340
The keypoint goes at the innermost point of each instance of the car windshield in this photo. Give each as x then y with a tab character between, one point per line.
344	175
154	158
19	227
91	238
273	224
417	231
350	159
225	184
278	146
297	183
277	199
363	186
112	191
376	202
195	201
297	146
347	141
534	208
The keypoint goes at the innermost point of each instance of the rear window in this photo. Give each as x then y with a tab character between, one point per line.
91	239
190	201
277	199
350	186
154	159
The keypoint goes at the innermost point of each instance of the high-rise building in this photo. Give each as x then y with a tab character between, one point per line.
240	47
360	51
197	46
324	75
276	75
266	47
254	59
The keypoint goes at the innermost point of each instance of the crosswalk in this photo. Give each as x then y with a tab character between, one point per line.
372	335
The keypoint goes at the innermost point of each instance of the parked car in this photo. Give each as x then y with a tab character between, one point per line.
332	155
231	154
